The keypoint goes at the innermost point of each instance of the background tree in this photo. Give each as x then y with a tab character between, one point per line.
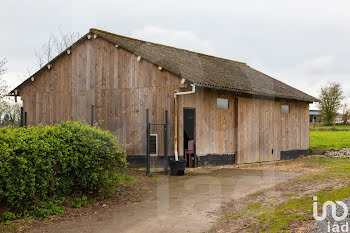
3	86
330	102
346	113
3	70
56	44
11	114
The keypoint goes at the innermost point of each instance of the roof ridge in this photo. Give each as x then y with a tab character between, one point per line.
92	30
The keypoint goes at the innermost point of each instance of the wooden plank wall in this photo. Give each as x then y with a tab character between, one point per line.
215	132
263	131
272	131
120	87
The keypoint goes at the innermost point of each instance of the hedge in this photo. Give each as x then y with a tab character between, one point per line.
45	164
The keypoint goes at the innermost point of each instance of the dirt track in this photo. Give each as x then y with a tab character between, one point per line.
185	205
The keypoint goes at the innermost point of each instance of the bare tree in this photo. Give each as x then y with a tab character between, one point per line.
3	86
24	75
330	102
56	44
46	51
346	113
64	40
2	67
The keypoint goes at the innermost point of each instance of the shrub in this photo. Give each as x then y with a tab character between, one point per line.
45	163
78	202
46	209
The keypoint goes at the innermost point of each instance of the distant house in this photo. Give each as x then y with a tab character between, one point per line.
218	107
315	116
340	119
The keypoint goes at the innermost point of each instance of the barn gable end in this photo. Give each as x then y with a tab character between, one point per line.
120	87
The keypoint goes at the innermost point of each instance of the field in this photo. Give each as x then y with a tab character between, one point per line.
330	137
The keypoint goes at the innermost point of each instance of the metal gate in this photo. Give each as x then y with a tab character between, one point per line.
148	136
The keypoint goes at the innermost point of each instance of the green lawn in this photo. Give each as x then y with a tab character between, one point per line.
330	137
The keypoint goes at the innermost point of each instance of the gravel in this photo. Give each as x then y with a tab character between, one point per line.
343	153
323	227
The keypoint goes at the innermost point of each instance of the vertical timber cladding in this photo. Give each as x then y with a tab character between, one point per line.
264	131
48	98
121	88
124	89
215	127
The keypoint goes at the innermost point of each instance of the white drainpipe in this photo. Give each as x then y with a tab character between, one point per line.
175	113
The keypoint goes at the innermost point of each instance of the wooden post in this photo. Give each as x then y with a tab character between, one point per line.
25	119
166	143
314	120
236	127
22	117
92	115
148	165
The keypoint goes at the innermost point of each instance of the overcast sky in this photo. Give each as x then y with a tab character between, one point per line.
303	43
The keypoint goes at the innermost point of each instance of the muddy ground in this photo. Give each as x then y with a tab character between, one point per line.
197	202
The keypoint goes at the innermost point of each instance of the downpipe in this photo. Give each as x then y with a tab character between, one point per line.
175	117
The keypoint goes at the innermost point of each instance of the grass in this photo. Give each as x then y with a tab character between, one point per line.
330	137
337	127
277	218
271	217
328	140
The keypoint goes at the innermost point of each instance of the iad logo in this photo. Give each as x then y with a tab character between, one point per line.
334	227
334	210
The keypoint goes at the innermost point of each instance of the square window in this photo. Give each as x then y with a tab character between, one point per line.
285	109
221	103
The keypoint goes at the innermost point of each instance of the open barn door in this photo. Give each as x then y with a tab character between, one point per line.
189	132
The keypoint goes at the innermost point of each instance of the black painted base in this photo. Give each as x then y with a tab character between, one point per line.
216	159
158	161
140	160
293	154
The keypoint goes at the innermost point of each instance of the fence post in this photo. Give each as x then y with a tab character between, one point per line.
92	115
25	119
22	117
148	165
166	143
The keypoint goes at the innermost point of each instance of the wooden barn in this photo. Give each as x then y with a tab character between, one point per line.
220	111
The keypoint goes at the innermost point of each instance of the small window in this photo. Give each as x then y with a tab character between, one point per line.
285	109
153	144
221	103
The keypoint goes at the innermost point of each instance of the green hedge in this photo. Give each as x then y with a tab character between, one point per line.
43	164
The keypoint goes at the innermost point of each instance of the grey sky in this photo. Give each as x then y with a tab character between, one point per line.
302	43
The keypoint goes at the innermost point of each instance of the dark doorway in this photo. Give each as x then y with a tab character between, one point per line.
189	119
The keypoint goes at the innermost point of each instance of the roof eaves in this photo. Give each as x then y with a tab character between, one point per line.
251	92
